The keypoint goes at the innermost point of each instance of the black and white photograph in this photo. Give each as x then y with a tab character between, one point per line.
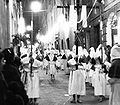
59	52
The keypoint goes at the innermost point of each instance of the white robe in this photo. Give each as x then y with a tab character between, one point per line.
107	87
33	84
45	63
58	62
52	64
99	81
76	83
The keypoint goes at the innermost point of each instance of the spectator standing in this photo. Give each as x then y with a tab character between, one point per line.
3	84
114	74
12	74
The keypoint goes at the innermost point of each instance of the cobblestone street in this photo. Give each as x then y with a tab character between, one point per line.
55	92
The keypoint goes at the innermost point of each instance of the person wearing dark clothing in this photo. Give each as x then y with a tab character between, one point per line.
3	84
12	74
108	49
17	61
14	99
114	74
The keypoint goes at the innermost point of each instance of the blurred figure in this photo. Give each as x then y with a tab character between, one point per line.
114	74
64	62
52	64
108	49
3	84
12	73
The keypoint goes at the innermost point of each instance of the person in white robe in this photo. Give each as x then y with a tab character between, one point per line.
99	81
64	62
108	88
76	81
45	65
89	73
33	84
58	63
52	65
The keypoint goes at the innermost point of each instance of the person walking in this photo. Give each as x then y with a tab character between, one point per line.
52	64
76	81
33	84
99	80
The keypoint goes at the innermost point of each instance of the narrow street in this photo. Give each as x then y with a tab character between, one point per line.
55	92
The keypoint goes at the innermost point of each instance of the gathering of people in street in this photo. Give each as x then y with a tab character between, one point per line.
20	76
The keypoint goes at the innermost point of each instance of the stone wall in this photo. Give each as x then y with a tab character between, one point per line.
4	25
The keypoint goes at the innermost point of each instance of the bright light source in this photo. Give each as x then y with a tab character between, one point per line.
36	6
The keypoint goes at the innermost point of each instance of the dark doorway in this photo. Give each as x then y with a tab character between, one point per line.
96	35
68	43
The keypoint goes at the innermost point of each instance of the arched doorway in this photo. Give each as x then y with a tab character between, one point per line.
112	29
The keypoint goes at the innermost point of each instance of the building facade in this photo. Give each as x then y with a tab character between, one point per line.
111	21
9	16
104	24
4	24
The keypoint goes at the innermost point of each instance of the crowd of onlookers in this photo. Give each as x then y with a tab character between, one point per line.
12	91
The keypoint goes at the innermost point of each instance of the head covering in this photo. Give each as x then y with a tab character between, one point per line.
114	70
80	51
52	52
98	51
92	52
72	62
25	60
115	52
108	65
36	63
8	54
74	48
85	52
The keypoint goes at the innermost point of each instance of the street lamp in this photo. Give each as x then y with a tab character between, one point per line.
35	7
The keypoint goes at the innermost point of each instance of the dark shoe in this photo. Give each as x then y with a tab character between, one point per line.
79	101
73	101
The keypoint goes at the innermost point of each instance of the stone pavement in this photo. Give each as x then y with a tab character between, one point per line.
55	92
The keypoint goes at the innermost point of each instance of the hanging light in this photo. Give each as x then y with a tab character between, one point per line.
36	6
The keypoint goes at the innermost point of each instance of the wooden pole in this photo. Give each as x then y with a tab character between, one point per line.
76	34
